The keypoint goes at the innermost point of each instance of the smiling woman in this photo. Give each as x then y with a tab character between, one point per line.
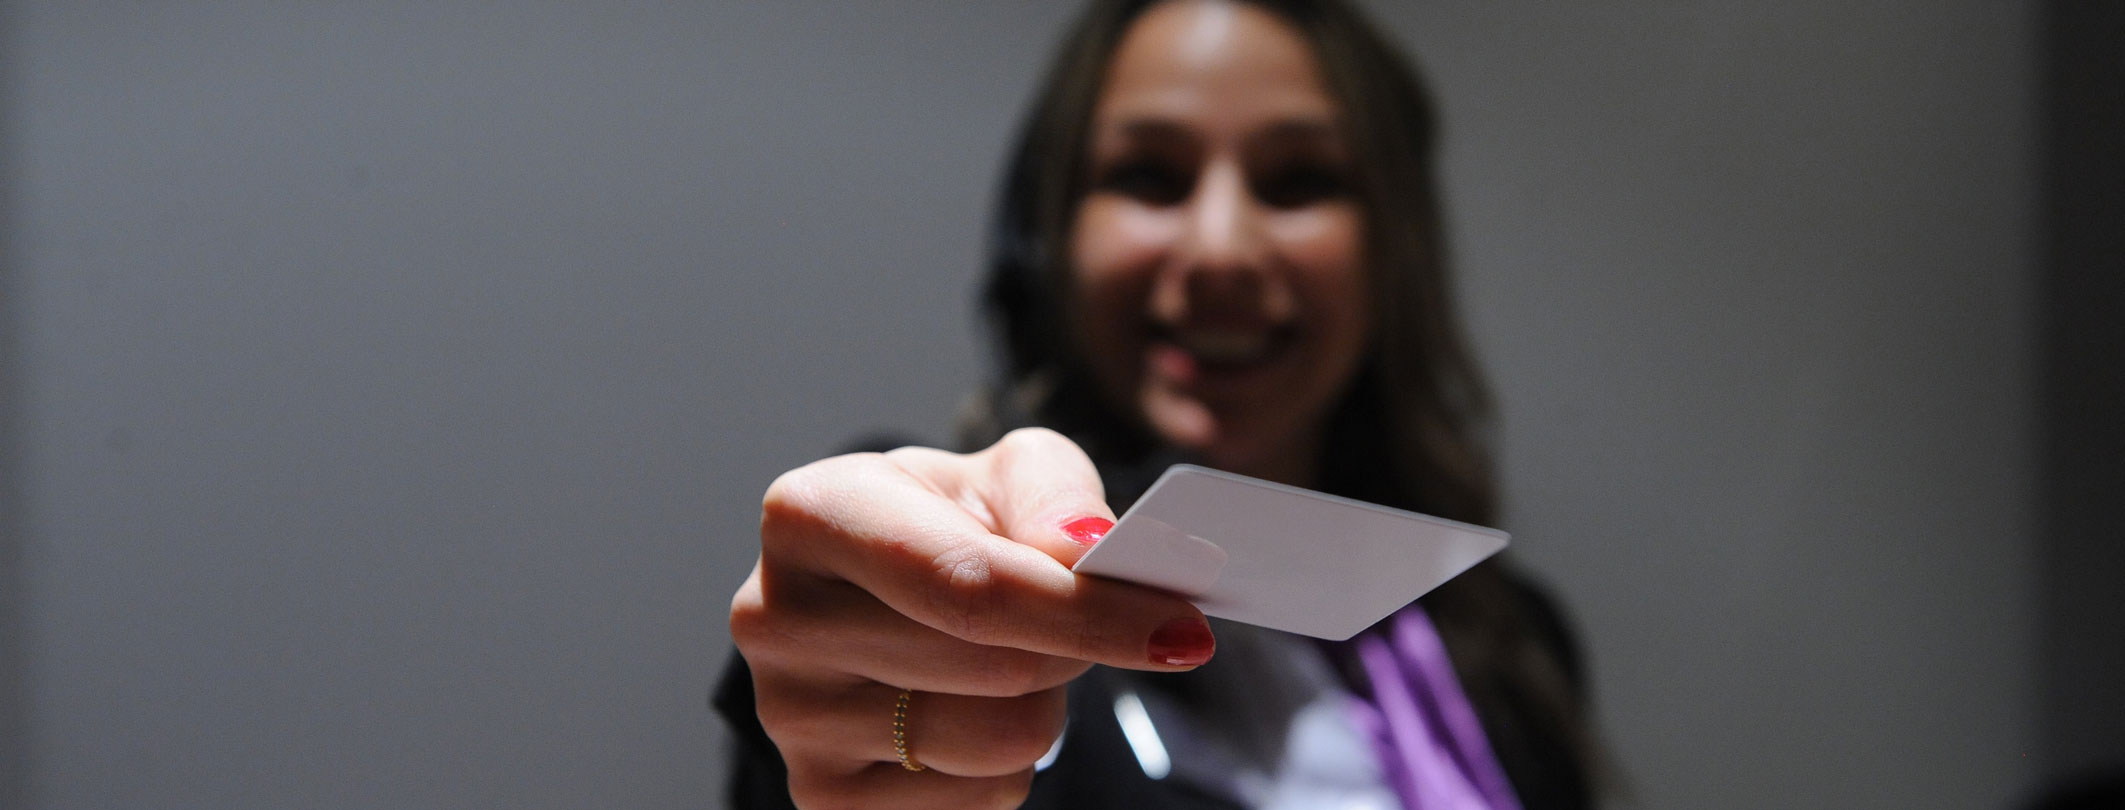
1333	186
1216	243
1217	249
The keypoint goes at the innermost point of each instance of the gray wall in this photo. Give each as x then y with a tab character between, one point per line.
389	387
1756	281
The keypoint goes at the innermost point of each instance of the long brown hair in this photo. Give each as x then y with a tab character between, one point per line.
1411	431
1424	393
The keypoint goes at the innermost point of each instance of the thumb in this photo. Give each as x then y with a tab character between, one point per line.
1042	491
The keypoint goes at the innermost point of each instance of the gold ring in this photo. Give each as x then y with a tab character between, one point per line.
900	732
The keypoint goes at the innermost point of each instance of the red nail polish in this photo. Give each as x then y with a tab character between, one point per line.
1087	531
1182	643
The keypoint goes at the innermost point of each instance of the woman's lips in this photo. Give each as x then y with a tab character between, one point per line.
1197	356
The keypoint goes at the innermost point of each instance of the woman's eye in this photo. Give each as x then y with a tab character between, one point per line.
1148	182
1300	186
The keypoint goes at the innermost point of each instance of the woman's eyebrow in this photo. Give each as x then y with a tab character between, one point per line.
1297	130
1307	130
1150	131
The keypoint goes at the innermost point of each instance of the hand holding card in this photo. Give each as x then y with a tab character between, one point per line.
1283	557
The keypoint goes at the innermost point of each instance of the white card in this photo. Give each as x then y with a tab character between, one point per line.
1282	557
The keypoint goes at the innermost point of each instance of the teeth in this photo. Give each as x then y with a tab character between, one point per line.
1223	346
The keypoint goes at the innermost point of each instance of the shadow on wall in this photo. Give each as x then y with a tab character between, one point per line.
2083	441
2095	793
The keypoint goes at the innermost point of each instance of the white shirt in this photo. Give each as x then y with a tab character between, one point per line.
1267	722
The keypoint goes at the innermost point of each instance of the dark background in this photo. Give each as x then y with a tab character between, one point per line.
386	389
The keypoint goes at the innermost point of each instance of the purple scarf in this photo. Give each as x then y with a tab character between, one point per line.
1430	743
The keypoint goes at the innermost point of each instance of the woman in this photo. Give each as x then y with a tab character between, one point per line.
1217	243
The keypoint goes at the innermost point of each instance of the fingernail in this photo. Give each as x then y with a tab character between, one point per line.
1087	531
1182	643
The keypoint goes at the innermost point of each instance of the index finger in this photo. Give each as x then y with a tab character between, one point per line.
869	522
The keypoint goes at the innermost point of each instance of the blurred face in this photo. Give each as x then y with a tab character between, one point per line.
1218	252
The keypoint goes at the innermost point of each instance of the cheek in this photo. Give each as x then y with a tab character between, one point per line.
1115	240
1115	251
1325	249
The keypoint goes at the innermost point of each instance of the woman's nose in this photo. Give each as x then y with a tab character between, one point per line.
1224	229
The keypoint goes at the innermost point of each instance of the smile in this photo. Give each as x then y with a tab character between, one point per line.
1224	350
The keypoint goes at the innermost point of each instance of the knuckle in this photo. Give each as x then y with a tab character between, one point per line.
1008	672
968	596
813	792
813	734
790	502
1010	791
798	729
797	494
999	736
764	629
818	489
1025	733
1093	639
1034	440
749	616
1021	673
812	504
914	455
788	719
783	719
